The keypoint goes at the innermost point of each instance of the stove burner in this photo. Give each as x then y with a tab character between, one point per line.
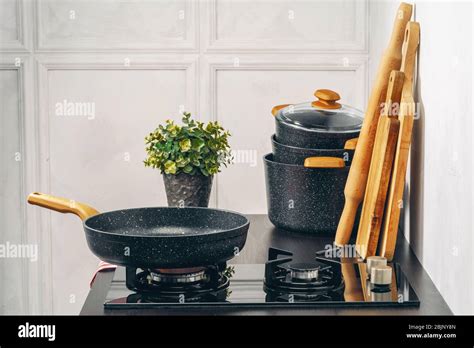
204	284
319	280
177	278
304	271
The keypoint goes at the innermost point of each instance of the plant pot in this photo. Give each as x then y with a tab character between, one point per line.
185	190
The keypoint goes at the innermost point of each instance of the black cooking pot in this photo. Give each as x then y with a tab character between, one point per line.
321	124
296	155
306	198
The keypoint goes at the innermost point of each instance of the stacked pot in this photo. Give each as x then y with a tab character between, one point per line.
313	146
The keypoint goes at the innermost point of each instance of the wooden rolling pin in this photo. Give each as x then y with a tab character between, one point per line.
357	179
406	118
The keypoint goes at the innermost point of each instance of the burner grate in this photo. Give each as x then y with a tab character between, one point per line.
286	281
210	284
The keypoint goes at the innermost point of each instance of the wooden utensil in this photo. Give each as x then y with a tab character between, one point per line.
380	171
357	180
406	118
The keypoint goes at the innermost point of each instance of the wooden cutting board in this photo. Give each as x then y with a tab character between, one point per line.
380	170
358	175
406	118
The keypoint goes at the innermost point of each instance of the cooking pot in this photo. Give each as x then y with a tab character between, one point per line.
306	198
321	124
296	155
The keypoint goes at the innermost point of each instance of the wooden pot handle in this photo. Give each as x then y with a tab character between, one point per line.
324	162
277	108
351	144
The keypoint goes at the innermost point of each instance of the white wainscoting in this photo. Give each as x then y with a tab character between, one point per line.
139	62
72	25
292	26
14	18
17	227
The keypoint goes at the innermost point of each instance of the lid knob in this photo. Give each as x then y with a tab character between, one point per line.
326	99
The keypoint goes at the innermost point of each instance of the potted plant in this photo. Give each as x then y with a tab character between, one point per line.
188	156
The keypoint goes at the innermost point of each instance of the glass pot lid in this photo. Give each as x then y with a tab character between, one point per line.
322	115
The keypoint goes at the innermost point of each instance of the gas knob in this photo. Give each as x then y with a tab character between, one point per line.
381	275
375	261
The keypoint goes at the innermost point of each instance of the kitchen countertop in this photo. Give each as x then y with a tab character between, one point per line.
262	235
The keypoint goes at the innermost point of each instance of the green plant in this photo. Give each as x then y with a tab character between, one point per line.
189	148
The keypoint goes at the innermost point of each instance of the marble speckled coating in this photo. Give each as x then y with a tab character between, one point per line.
166	237
296	155
304	199
288	135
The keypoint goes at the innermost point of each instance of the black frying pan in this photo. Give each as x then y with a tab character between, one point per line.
163	237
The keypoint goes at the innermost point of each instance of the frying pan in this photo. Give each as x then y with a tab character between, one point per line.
162	237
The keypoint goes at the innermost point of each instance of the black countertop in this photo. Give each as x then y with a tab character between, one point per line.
262	235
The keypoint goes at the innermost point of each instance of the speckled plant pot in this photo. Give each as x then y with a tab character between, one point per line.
184	190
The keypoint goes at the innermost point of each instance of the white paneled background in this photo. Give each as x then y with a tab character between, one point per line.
140	62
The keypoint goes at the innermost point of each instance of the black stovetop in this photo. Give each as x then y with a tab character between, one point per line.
340	283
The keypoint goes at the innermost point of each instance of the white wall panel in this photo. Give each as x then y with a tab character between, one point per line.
11	190
109	24
301	25
12	25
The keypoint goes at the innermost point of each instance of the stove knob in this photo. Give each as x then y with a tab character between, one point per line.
375	261
385	296
381	275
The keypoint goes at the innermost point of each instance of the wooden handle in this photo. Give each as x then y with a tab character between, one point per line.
324	162
410	46
326	99
357	179
62	205
406	118
278	108
397	185
351	144
394	91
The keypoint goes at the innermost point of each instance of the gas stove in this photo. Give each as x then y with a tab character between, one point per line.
280	282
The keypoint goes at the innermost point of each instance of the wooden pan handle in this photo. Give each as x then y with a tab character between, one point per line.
62	205
357	179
